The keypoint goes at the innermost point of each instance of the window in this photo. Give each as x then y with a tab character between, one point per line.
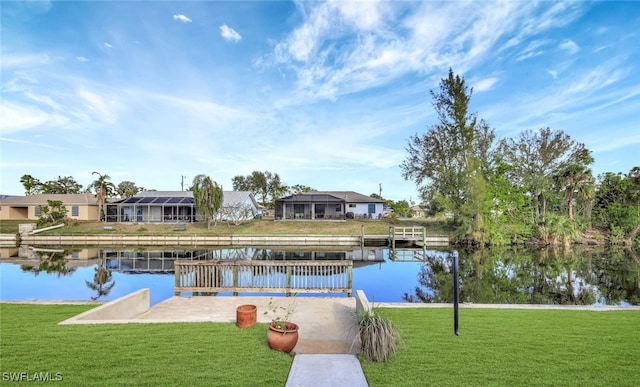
352	205
75	211
38	211
338	207
372	208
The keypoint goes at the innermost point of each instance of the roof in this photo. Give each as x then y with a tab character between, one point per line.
41	199
345	196
184	197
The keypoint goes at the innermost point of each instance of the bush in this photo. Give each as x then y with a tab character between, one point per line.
378	336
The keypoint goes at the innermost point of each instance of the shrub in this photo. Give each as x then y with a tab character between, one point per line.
378	336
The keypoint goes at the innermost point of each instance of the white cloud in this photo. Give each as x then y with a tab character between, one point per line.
107	45
484	84
569	46
553	73
81	59
182	18
17	117
229	34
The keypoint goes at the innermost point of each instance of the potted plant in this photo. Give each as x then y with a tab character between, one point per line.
282	334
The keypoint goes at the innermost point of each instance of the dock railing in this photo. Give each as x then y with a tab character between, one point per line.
415	235
264	276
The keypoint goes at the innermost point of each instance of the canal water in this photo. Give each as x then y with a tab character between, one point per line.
503	276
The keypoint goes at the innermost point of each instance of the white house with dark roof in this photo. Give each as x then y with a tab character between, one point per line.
83	206
328	205
179	206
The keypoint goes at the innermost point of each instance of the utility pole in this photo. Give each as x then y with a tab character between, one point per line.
380	185
182	183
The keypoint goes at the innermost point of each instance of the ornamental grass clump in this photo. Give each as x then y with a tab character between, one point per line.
378	336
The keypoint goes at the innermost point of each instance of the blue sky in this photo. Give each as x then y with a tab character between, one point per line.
326	94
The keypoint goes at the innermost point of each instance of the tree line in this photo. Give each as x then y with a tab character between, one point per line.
537	186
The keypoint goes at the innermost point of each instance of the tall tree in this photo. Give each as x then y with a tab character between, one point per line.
104	188
453	154
127	189
208	197
31	185
574	179
63	185
265	186
537	158
297	189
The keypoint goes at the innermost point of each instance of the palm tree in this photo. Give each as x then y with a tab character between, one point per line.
208	197
104	188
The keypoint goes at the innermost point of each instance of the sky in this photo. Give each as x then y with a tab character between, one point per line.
325	94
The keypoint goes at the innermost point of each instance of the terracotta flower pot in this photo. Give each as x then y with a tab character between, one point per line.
246	316
282	339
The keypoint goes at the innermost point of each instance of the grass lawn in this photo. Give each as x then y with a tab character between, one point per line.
512	348
252	227
188	354
495	347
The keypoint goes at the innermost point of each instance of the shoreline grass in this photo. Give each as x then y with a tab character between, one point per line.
495	347
251	227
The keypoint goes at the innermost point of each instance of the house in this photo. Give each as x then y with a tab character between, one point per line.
328	205
82	206
179	206
418	211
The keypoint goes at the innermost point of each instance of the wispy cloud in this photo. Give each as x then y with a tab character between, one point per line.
229	34
339	50
82	59
107	45
182	18
484	84
569	46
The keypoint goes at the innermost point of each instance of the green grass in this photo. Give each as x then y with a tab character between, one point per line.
495	347
198	354
511	348
252	227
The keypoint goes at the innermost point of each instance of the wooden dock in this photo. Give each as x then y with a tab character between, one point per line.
416	237
264	276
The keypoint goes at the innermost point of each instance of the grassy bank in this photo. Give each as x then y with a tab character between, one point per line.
512	348
495	347
252	227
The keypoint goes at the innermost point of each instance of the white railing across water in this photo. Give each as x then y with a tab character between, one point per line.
264	276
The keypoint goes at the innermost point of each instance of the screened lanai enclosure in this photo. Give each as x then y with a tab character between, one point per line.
153	209
179	207
328	205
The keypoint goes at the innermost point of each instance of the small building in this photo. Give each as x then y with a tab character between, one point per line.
418	211
179	206
328	205
82	206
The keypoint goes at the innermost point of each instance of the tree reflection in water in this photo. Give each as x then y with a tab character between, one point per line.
102	281
528	276
51	262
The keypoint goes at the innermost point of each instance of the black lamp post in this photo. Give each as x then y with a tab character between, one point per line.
455	292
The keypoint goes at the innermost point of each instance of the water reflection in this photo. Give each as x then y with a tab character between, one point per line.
48	261
523	276
103	281
532	276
